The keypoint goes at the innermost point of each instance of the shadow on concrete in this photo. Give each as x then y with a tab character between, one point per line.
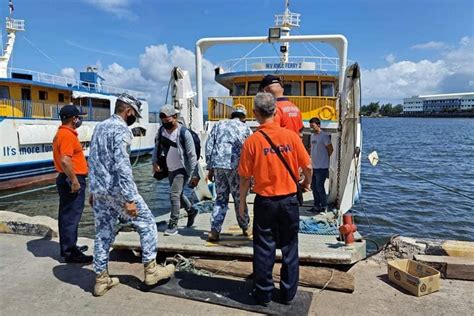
44	247
76	275
384	278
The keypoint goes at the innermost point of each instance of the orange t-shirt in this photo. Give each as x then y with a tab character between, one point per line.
288	115
66	143
260	161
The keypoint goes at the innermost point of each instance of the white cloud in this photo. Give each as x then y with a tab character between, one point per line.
390	58
430	45
119	8
452	72
154	71
68	72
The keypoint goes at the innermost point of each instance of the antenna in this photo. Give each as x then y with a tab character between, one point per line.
285	22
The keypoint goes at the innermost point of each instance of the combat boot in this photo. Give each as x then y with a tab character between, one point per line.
155	273
103	283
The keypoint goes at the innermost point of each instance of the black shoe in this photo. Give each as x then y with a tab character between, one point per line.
191	216
83	248
77	256
260	300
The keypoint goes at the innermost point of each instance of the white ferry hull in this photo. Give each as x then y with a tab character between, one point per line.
26	155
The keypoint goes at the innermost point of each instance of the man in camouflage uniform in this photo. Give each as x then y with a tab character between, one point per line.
223	148
114	193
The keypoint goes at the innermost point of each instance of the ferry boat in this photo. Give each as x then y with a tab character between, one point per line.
29	115
320	86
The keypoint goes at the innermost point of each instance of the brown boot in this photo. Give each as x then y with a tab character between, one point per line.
103	283
213	236
155	273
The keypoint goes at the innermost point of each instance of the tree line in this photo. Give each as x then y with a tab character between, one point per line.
375	108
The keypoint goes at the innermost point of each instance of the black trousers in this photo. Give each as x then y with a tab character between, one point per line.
71	206
276	225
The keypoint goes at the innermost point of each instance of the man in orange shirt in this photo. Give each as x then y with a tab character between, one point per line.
71	164
276	214
287	114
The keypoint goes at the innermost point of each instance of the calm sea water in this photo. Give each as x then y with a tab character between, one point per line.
441	150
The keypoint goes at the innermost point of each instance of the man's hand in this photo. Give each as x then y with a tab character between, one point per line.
91	200
194	182
131	209
75	186
156	168
210	175
306	186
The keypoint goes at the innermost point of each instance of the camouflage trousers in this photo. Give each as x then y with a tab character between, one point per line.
107	210
227	182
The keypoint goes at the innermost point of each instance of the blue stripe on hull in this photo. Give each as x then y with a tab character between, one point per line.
21	170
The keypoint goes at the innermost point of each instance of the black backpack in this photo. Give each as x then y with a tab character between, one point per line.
196	140
182	139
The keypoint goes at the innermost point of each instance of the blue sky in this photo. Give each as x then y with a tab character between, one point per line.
404	47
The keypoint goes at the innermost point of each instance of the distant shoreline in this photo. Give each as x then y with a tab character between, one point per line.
426	115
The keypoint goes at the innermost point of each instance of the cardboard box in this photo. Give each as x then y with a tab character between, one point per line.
417	278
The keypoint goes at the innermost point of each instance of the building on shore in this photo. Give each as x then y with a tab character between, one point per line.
439	103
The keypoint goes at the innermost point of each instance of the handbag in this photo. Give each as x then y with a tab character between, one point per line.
299	189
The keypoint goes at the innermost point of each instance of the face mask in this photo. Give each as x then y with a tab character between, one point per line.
78	123
168	125
131	119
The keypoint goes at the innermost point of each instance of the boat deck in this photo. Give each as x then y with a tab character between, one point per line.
232	244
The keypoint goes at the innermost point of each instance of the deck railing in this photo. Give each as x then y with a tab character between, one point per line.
74	83
322	107
41	110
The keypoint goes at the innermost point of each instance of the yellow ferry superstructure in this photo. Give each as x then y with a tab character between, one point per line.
29	115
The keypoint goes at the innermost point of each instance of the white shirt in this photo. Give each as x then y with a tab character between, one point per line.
172	158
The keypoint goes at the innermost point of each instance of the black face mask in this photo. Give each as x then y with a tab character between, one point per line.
168	125
131	119
78	123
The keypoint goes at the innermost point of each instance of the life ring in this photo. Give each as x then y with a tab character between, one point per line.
327	113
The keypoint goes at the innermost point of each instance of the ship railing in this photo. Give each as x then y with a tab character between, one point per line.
14	24
322	107
75	84
273	63
12	108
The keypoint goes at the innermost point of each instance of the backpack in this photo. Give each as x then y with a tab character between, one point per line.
196	140
182	139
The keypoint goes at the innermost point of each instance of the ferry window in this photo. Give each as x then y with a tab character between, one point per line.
4	92
292	88
42	95
60	97
311	88
239	89
327	89
253	88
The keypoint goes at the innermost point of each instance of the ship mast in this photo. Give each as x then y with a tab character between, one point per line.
12	26
285	22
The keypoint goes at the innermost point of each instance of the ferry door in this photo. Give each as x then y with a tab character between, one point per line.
26	102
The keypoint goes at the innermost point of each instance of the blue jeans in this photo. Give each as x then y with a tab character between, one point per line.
317	185
276	225
71	206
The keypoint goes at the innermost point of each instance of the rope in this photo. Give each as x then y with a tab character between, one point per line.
250	52
318	227
327	283
43	53
442	186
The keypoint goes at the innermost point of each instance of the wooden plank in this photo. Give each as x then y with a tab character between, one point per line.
450	267
315	277
457	248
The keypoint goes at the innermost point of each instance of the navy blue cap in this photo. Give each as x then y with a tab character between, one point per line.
70	111
268	80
